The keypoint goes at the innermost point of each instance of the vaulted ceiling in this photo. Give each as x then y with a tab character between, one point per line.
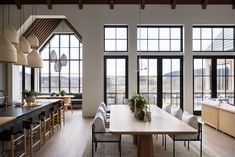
43	28
112	3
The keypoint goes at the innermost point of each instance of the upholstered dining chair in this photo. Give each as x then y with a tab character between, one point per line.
105	107
193	122
102	134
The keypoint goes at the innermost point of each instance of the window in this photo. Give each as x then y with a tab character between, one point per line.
27	78
160	79
202	81
213	38
62	64
116	79
116	38
213	78
159	38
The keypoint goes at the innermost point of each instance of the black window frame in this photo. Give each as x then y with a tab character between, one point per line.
160	77
212	40
160	26
105	74
116	26
79	60
213	79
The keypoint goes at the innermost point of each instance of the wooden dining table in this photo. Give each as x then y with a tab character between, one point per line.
123	121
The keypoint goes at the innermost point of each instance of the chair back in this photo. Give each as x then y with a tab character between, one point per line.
166	107
98	124
102	104
177	112
101	110
67	101
192	120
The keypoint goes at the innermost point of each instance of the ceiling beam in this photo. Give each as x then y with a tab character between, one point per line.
80	4
204	4
173	4
111	4
142	4
49	4
18	4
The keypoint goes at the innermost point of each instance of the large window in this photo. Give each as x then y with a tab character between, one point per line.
159	38
213	78
116	79
160	80
62	64
115	38
213	38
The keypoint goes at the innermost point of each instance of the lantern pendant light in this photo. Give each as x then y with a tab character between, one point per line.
34	58
23	46
8	52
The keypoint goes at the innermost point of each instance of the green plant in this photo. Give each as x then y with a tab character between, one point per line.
30	93
62	92
140	101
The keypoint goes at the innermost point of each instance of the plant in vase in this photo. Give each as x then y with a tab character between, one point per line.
62	92
30	95
137	103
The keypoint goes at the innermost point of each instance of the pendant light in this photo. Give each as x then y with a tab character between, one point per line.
34	58
23	46
10	31
7	50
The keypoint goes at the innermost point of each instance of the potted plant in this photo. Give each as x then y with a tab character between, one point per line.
62	93
137	102
30	95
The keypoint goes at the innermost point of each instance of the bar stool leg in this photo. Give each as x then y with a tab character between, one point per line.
12	146
31	140
25	144
3	149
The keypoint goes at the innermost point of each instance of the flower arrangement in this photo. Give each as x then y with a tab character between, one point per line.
137	101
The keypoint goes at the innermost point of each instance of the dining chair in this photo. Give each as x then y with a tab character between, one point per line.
193	122
67	103
101	134
105	107
105	117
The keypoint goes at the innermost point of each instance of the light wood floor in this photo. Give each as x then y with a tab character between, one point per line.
71	140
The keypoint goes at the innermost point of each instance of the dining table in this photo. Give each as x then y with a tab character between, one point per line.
123	121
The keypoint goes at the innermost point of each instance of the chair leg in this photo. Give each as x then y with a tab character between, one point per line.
95	146
173	146
120	149
188	145
162	139
200	148
12	146
165	141
185	143
71	108
92	147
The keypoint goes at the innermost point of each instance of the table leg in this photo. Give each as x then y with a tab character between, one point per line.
145	146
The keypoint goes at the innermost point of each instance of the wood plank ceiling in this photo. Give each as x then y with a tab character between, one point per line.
43	28
111	3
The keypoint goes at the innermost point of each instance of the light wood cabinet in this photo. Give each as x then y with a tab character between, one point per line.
220	117
210	115
227	122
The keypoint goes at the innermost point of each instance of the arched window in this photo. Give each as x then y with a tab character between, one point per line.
62	64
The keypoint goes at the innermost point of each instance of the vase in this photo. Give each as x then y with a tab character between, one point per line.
141	115
30	99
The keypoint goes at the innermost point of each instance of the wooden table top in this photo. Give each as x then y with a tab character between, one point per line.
4	120
54	97
122	121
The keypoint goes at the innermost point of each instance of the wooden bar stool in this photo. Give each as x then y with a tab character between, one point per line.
15	135
33	126
67	103
62	112
46	125
55	118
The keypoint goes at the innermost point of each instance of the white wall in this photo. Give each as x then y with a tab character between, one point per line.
90	20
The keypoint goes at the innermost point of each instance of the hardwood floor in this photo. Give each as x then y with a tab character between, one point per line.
71	140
